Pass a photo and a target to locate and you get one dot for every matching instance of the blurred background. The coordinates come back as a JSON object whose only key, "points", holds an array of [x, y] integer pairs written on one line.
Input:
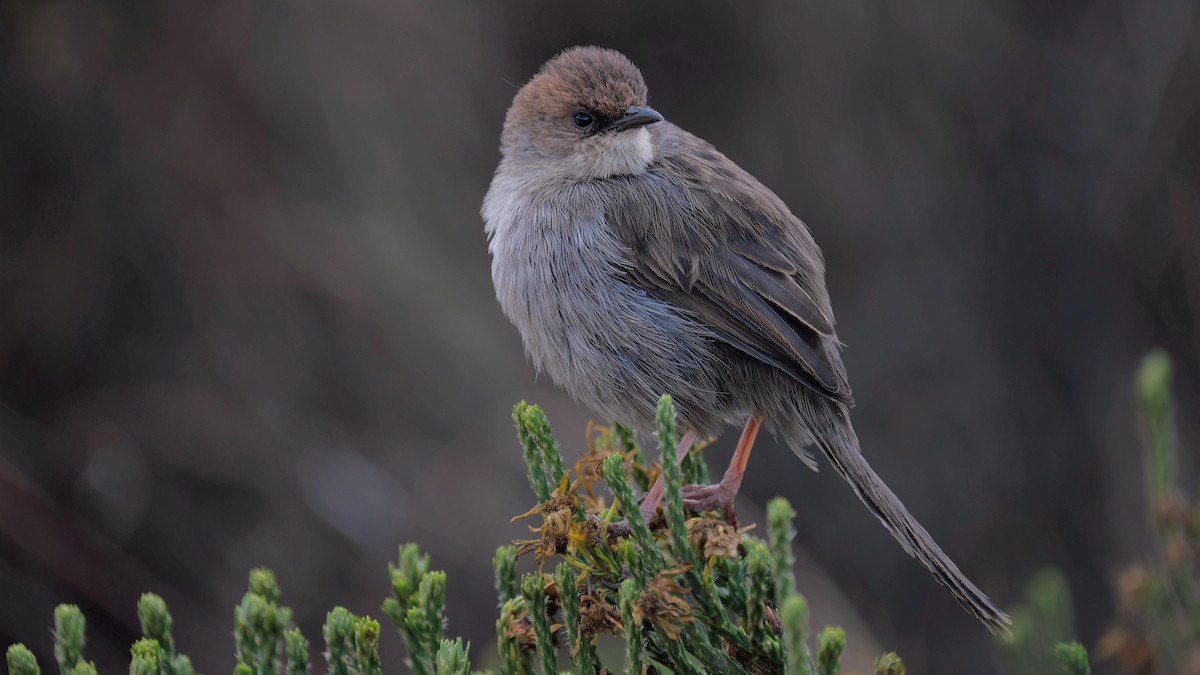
{"points": [[246, 313]]}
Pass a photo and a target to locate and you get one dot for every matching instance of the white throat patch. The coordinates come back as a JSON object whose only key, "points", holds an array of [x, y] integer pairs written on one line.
{"points": [[616, 154]]}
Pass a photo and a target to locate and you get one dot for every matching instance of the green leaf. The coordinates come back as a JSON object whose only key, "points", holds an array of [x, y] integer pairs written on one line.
{"points": [[794, 620], [181, 665], [533, 456], [338, 632], [366, 647], [1159, 436], [69, 639], [452, 658], [617, 481], [156, 621], [505, 566], [82, 668], [627, 440], [634, 633], [146, 657], [537, 430], [889, 664], [296, 648], [1072, 658], [534, 592], [21, 661], [262, 582], [514, 659], [831, 642], [759, 589], [779, 524], [417, 606]]}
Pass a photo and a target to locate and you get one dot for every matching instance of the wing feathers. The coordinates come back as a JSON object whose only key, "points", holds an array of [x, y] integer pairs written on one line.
{"points": [[782, 290], [704, 236]]}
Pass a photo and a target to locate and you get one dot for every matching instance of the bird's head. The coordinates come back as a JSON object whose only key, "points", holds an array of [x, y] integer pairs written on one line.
{"points": [[583, 115]]}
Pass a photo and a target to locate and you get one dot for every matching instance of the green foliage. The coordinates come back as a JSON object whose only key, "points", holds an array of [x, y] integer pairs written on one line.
{"points": [[1157, 410], [692, 593], [417, 606], [156, 620], [155, 652], [625, 442], [541, 449], [514, 638], [451, 658], [1157, 627], [259, 623], [794, 616], [296, 649], [146, 657], [779, 522], [889, 664], [21, 662], [635, 636], [366, 646], [69, 639], [338, 632], [534, 592], [1072, 658], [830, 644], [352, 643], [794, 608], [686, 594], [505, 566], [1043, 619], [579, 646]]}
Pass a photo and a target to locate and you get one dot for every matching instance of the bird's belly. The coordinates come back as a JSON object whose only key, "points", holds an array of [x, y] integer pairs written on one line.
{"points": [[608, 343]]}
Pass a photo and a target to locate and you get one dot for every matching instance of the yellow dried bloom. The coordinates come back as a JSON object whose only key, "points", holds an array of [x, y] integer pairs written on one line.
{"points": [[662, 603]]}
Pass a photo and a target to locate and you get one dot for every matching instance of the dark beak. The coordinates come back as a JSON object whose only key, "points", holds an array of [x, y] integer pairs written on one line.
{"points": [[635, 116]]}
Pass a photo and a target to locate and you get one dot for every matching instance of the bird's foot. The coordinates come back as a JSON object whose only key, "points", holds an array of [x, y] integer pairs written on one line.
{"points": [[709, 497]]}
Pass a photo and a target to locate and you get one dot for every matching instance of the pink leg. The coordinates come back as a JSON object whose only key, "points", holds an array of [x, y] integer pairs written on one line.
{"points": [[654, 496], [705, 497]]}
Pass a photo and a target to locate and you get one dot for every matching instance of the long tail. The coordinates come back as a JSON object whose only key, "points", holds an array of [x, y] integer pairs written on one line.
{"points": [[840, 444]]}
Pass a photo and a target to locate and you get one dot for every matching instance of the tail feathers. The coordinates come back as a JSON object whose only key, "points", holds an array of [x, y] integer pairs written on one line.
{"points": [[841, 447]]}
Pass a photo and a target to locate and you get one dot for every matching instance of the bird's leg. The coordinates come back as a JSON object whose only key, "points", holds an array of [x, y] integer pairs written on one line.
{"points": [[654, 496], [705, 497]]}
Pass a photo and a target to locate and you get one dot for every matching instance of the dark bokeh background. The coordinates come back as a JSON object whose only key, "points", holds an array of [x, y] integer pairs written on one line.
{"points": [[246, 315]]}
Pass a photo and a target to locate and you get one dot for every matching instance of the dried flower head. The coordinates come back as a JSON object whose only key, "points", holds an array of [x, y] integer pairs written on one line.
{"points": [[594, 505], [1132, 585], [590, 466], [587, 533], [713, 537], [521, 630], [597, 615], [1129, 647], [772, 620], [1173, 510], [662, 603], [558, 516], [1177, 551]]}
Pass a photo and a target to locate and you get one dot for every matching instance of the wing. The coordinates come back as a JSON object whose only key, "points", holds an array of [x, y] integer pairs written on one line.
{"points": [[706, 237]]}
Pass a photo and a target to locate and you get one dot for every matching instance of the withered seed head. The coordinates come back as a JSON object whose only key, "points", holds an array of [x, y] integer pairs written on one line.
{"points": [[597, 616], [714, 537], [662, 603], [521, 629], [558, 516], [772, 620]]}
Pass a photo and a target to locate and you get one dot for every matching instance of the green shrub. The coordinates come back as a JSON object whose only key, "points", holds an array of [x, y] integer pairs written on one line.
{"points": [[685, 594]]}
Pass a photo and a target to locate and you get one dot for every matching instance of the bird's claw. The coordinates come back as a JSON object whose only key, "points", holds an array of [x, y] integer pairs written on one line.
{"points": [[709, 497]]}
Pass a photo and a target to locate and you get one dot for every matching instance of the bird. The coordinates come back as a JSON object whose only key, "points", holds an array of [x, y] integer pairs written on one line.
{"points": [[637, 260]]}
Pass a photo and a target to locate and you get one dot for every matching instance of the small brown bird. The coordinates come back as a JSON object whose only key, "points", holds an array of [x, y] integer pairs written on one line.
{"points": [[636, 260]]}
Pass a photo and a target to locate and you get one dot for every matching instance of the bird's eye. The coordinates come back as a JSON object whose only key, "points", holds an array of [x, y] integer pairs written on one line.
{"points": [[583, 120]]}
